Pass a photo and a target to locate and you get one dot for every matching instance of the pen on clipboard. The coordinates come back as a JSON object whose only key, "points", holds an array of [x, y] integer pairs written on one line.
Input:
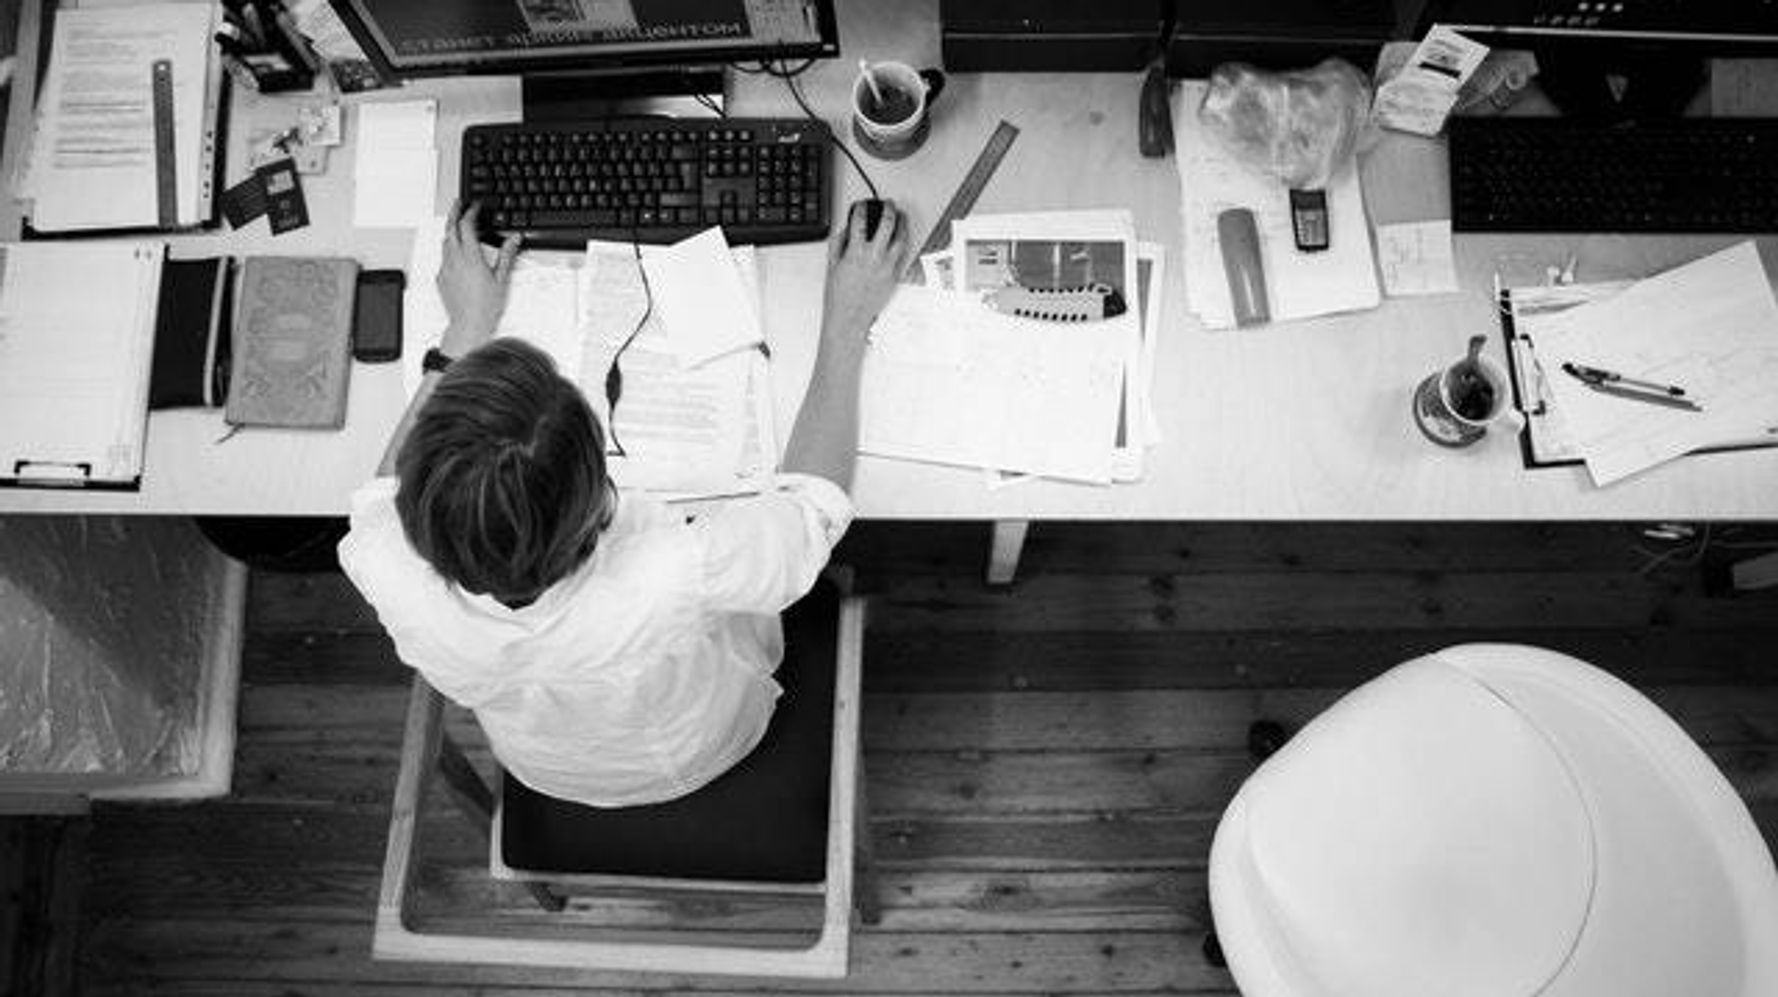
{"points": [[1634, 389]]}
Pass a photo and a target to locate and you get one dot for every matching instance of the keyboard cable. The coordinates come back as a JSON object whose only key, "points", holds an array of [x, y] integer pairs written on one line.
{"points": [[784, 72]]}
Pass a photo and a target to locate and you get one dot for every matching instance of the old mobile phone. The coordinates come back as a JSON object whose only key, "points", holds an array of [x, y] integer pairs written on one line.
{"points": [[376, 316], [1308, 219]]}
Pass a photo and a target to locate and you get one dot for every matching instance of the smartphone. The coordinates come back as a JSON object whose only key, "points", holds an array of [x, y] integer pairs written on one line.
{"points": [[376, 316]]}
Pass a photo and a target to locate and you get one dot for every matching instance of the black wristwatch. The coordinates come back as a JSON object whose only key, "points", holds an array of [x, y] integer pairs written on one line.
{"points": [[435, 360]]}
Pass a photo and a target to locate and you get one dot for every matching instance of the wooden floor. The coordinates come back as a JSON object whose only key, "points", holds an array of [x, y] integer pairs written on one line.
{"points": [[1046, 764]]}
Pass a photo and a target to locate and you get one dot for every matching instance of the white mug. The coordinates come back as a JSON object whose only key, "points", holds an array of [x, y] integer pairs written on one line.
{"points": [[896, 125]]}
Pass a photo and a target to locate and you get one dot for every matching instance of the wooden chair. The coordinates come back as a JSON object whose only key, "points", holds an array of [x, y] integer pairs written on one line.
{"points": [[509, 811]]}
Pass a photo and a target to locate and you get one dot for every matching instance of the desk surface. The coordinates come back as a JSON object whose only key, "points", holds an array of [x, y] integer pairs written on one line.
{"points": [[1303, 420]]}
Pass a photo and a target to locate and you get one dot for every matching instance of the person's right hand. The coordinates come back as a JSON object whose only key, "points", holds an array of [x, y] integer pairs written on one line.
{"points": [[861, 272], [472, 288]]}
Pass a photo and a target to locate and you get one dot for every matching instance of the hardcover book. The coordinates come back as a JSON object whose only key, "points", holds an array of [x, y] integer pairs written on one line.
{"points": [[292, 342]]}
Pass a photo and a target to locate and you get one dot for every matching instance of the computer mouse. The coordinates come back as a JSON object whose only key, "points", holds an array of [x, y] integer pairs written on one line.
{"points": [[873, 214]]}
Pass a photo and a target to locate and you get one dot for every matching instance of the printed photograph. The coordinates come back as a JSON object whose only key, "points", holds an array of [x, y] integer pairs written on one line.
{"points": [[1042, 264]]}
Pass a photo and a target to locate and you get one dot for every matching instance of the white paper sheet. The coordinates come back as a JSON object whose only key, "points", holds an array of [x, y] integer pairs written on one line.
{"points": [[74, 365], [704, 308], [1417, 258], [683, 430], [1710, 326], [1299, 285], [395, 179], [93, 158], [954, 382], [1098, 240]]}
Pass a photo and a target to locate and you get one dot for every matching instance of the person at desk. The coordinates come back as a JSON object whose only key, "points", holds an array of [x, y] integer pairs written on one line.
{"points": [[615, 652]]}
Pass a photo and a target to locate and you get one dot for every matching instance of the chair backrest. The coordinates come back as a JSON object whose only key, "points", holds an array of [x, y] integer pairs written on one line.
{"points": [[1494, 819], [401, 934]]}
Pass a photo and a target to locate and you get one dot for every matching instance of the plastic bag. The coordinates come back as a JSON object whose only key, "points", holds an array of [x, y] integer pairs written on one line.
{"points": [[1298, 127]]}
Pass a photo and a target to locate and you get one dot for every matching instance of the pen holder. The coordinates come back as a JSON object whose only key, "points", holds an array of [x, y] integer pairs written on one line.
{"points": [[263, 49]]}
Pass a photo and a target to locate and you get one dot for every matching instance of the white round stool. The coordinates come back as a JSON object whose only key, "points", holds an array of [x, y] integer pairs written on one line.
{"points": [[1493, 821]]}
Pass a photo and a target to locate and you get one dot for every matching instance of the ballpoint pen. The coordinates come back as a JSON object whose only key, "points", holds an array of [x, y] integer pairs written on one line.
{"points": [[1610, 383], [1599, 375]]}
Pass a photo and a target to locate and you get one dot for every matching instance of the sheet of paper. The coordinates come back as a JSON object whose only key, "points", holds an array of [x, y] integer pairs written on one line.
{"points": [[93, 158], [73, 364], [677, 429], [1417, 258], [953, 382], [1710, 326], [1300, 285], [1064, 249], [395, 178], [703, 305]]}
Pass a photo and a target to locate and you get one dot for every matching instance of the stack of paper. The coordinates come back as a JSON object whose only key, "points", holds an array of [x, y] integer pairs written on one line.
{"points": [[950, 380], [1298, 284], [695, 414], [95, 161], [396, 175], [1709, 328], [73, 364]]}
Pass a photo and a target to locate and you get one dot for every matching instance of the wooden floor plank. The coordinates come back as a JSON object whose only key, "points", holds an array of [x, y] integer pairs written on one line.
{"points": [[884, 962], [978, 661], [1249, 600]]}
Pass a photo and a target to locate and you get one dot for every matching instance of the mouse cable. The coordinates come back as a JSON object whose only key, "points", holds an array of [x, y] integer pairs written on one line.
{"points": [[789, 78], [614, 378]]}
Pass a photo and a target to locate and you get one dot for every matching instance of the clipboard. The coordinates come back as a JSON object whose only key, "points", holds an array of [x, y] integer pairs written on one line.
{"points": [[1541, 442], [74, 367], [178, 191]]}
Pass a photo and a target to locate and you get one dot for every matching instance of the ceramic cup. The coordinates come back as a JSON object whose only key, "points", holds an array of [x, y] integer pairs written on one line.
{"points": [[896, 125], [1454, 406]]}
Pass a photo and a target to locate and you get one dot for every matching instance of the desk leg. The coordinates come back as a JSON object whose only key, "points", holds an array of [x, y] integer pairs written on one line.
{"points": [[1003, 551]]}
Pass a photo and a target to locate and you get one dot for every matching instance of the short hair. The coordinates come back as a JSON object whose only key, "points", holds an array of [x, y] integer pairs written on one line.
{"points": [[502, 477]]}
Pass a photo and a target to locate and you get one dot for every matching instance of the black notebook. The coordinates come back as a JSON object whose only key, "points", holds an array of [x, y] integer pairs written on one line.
{"points": [[191, 335]]}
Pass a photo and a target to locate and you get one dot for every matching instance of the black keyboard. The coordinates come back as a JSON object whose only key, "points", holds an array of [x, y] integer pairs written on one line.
{"points": [[652, 180], [1574, 175]]}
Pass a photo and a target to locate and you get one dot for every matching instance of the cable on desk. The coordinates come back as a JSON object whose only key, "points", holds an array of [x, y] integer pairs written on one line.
{"points": [[614, 378], [710, 105], [788, 75]]}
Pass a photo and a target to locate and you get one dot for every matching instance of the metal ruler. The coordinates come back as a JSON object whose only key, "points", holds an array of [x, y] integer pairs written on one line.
{"points": [[166, 185], [964, 198]]}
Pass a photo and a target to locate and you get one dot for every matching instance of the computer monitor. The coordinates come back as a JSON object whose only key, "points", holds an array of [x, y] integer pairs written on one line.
{"points": [[1622, 58], [598, 49]]}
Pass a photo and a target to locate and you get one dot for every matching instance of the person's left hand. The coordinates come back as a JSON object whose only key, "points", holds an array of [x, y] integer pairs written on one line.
{"points": [[473, 290]]}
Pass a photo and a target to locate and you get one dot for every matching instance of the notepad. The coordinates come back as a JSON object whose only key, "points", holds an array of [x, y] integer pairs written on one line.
{"points": [[74, 364]]}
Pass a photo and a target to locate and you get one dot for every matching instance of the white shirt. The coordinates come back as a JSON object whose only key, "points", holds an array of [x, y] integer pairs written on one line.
{"points": [[639, 678]]}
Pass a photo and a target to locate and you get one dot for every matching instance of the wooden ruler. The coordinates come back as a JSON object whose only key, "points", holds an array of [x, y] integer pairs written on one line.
{"points": [[166, 184], [964, 198]]}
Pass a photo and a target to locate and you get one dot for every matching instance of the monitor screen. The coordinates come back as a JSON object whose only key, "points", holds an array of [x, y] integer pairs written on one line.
{"points": [[431, 37]]}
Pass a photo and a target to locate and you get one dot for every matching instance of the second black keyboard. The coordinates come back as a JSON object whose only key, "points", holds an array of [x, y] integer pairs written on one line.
{"points": [[1575, 175], [651, 180]]}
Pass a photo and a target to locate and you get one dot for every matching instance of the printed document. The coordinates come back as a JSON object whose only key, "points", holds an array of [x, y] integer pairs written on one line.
{"points": [[955, 382], [1709, 327], [93, 159]]}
